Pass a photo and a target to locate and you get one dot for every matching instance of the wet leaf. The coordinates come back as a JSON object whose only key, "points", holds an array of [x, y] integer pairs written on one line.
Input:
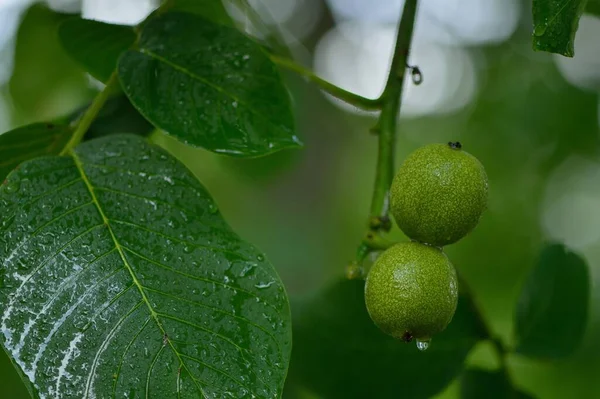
{"points": [[31, 141], [209, 86], [555, 24], [121, 278], [477, 384], [340, 353], [552, 312], [95, 45]]}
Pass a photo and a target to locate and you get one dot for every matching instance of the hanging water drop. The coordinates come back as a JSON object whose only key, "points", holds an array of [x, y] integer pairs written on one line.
{"points": [[423, 344]]}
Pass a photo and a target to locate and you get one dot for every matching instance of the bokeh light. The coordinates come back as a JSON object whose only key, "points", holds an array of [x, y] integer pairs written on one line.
{"points": [[357, 55], [66, 6], [10, 16], [571, 213], [446, 21], [583, 70], [128, 12]]}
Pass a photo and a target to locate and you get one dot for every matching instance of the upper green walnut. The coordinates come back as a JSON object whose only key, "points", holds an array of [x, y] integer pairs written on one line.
{"points": [[412, 291], [439, 194]]}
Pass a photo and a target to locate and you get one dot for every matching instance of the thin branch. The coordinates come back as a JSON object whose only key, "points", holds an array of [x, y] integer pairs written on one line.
{"points": [[338, 92], [84, 123], [387, 125]]}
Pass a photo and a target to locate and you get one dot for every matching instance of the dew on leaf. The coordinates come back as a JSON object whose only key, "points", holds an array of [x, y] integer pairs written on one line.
{"points": [[13, 187], [540, 29]]}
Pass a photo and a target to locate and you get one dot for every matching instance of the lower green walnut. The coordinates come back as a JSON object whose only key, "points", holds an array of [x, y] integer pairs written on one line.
{"points": [[412, 292]]}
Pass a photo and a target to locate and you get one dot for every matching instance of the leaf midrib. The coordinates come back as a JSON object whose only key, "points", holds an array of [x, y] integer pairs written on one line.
{"points": [[79, 165]]}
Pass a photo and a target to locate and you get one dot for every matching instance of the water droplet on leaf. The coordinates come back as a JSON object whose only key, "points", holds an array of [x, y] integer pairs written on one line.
{"points": [[540, 29], [13, 187]]}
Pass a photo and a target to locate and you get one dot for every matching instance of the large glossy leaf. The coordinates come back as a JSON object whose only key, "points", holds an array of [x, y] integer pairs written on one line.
{"points": [[340, 353], [31, 141], [95, 45], [478, 384], [209, 86], [552, 312], [121, 279], [555, 24]]}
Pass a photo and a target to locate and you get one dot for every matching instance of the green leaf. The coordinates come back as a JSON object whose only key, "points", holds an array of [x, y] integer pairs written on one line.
{"points": [[210, 9], [209, 86], [117, 116], [96, 46], [30, 141], [555, 23], [340, 353], [477, 384], [120, 278], [552, 311]]}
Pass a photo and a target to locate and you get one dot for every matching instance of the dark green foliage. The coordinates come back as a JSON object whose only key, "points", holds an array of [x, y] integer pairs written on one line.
{"points": [[340, 353], [553, 308], [479, 384]]}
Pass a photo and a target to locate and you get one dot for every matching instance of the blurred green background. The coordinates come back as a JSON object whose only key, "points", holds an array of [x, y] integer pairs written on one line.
{"points": [[536, 133]]}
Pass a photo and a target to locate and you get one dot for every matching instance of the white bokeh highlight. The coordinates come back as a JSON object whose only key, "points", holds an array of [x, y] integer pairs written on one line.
{"points": [[67, 6], [583, 70], [357, 56], [570, 212], [11, 12], [468, 22], [125, 12]]}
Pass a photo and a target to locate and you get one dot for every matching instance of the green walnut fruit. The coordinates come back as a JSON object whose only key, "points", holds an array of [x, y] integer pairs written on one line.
{"points": [[439, 194], [412, 291]]}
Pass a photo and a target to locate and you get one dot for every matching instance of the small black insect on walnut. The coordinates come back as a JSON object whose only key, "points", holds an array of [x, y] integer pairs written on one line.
{"points": [[455, 145], [407, 337]]}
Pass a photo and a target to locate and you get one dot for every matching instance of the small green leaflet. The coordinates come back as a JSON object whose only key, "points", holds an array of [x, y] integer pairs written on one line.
{"points": [[31, 141], [120, 278]]}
